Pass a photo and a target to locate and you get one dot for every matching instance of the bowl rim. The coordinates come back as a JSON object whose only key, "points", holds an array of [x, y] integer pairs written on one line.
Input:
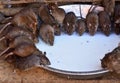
{"points": [[76, 74]]}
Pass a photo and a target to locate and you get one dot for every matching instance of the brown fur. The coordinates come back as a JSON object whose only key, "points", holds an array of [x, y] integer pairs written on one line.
{"points": [[111, 60], [22, 46], [2, 17], [105, 23], [80, 26], [69, 23], [92, 22], [117, 19], [36, 59], [11, 32], [26, 18], [57, 29], [109, 6], [46, 32], [45, 15], [57, 13]]}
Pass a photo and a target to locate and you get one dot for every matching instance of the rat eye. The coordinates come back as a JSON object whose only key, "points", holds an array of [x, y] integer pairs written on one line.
{"points": [[68, 24], [90, 24], [51, 12], [35, 24]]}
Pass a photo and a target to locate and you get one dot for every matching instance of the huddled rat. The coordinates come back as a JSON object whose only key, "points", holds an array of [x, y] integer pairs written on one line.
{"points": [[69, 23]]}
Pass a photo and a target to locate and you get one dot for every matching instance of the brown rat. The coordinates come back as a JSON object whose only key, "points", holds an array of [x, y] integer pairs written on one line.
{"points": [[57, 13], [45, 15], [69, 23], [12, 32], [111, 60], [20, 46], [105, 23], [46, 32], [109, 6], [92, 21], [47, 18], [80, 24], [34, 60], [117, 19], [25, 18]]}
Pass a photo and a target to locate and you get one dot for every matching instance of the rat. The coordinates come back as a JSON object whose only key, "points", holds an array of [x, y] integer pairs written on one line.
{"points": [[21, 46], [59, 15], [109, 6], [111, 60], [56, 12], [25, 18], [92, 21], [47, 18], [34, 60], [46, 33], [105, 22], [69, 23], [80, 24], [45, 15], [12, 32], [117, 19]]}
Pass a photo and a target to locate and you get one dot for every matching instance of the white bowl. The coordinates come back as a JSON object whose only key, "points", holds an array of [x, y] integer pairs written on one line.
{"points": [[79, 56]]}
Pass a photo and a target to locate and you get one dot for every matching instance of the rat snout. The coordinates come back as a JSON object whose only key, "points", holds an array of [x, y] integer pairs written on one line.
{"points": [[71, 29], [105, 60], [44, 60], [106, 30], [51, 39], [92, 30], [70, 32], [57, 30], [51, 42]]}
